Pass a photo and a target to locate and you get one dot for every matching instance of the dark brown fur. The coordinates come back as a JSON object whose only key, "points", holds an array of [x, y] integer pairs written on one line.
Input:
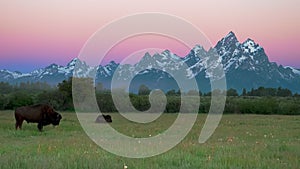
{"points": [[42, 114], [103, 118]]}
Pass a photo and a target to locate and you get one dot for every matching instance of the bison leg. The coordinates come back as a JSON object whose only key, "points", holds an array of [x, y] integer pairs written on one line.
{"points": [[40, 126], [19, 125], [19, 122]]}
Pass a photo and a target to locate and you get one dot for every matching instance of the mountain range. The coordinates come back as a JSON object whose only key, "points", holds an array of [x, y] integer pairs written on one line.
{"points": [[245, 64]]}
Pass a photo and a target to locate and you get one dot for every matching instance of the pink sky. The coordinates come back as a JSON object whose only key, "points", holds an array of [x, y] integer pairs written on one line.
{"points": [[34, 34]]}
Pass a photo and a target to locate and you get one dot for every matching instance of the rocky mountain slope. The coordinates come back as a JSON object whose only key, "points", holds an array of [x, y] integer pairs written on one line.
{"points": [[245, 64]]}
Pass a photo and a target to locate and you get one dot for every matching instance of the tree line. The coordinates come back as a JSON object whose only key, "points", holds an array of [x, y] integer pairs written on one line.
{"points": [[255, 101]]}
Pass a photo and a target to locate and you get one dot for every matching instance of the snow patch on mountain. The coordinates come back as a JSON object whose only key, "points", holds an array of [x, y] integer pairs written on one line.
{"points": [[245, 64], [171, 55], [14, 74], [249, 46], [296, 71]]}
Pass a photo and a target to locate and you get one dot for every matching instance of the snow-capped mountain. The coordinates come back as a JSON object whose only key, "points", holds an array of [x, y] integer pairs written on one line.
{"points": [[245, 64], [51, 74]]}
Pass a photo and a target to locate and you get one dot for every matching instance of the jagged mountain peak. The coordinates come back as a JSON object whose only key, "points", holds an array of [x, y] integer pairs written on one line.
{"points": [[73, 62], [147, 54], [167, 53], [52, 66], [112, 63], [249, 40], [146, 57], [76, 61], [229, 39], [230, 35], [246, 56], [164, 56], [110, 67], [227, 46], [12, 74], [194, 55], [249, 46], [245, 64], [197, 48]]}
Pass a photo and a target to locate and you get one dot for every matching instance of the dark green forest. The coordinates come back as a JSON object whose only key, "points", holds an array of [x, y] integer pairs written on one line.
{"points": [[256, 101]]}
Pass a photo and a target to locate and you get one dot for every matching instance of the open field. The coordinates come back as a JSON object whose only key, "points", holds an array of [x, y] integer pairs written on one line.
{"points": [[240, 141]]}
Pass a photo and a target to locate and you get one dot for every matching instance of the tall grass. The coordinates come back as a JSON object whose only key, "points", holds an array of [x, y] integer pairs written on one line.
{"points": [[240, 141]]}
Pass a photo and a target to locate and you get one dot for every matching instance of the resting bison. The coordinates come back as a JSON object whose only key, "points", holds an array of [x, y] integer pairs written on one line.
{"points": [[103, 118], [41, 114]]}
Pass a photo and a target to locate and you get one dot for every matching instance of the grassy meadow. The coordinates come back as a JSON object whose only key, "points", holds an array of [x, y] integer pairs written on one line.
{"points": [[240, 141]]}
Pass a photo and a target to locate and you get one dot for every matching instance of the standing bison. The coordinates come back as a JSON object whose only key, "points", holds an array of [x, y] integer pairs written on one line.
{"points": [[42, 114]]}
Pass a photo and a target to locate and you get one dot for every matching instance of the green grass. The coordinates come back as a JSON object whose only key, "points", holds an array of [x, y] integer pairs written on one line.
{"points": [[240, 141]]}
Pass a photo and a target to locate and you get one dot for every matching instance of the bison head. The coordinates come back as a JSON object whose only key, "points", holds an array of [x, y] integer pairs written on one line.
{"points": [[107, 118], [51, 116], [103, 118], [55, 119]]}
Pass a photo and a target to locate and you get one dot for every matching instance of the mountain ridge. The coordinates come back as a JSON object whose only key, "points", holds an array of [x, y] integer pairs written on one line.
{"points": [[245, 64]]}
